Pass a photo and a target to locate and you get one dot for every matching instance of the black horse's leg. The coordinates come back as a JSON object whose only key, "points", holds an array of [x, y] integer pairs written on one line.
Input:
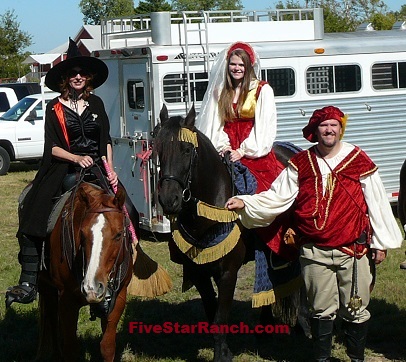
{"points": [[226, 282], [202, 281], [226, 287]]}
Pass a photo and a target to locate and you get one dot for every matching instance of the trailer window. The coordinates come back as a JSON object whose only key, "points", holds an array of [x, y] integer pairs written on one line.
{"points": [[333, 79], [282, 81], [389, 75], [136, 95], [175, 87]]}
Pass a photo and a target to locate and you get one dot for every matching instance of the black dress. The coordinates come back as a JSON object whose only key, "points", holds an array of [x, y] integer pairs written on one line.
{"points": [[88, 134]]}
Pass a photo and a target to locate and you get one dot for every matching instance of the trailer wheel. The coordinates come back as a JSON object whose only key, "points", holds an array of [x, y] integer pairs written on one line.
{"points": [[4, 161]]}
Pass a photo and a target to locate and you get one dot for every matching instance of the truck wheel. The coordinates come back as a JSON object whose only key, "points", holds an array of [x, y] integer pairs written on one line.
{"points": [[4, 161]]}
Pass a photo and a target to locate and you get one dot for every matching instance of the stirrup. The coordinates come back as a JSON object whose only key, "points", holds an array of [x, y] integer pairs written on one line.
{"points": [[23, 293]]}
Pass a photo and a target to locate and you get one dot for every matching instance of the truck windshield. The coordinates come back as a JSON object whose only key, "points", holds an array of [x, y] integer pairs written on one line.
{"points": [[15, 112]]}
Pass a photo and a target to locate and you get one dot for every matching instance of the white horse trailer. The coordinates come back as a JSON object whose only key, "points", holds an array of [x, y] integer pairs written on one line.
{"points": [[165, 58]]}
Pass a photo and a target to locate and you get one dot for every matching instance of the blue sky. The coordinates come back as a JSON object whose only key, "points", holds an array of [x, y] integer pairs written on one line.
{"points": [[52, 22]]}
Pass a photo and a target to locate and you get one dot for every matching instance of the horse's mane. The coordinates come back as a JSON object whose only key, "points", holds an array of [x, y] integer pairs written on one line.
{"points": [[169, 131]]}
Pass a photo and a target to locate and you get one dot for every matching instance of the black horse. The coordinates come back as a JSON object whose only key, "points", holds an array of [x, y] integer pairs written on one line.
{"points": [[193, 189]]}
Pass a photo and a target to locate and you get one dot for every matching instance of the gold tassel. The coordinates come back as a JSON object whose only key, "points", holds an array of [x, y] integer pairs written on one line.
{"points": [[282, 291], [186, 135], [215, 213], [149, 278], [210, 254], [263, 298]]}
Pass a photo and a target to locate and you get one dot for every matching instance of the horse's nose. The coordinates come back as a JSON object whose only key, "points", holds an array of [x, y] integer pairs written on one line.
{"points": [[171, 203], [93, 293]]}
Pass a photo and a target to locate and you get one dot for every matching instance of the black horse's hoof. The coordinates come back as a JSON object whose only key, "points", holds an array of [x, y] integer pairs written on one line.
{"points": [[23, 293]]}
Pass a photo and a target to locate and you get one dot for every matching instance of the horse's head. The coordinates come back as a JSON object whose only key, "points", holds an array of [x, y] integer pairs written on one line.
{"points": [[102, 238], [175, 146]]}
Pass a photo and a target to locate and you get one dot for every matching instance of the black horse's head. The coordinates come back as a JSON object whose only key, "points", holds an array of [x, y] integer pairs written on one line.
{"points": [[175, 146]]}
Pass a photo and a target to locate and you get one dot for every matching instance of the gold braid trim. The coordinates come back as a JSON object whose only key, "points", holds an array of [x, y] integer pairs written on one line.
{"points": [[215, 213], [331, 184], [213, 253], [186, 135], [282, 291]]}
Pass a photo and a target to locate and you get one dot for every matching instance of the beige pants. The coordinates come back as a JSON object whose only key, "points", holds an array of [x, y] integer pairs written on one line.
{"points": [[328, 275]]}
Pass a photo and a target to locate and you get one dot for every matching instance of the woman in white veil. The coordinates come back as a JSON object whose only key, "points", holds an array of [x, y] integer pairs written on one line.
{"points": [[238, 112]]}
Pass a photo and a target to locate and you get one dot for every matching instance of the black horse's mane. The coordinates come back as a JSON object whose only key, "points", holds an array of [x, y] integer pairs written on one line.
{"points": [[169, 131]]}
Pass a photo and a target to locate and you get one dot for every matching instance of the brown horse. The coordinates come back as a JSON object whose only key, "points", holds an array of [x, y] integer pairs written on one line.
{"points": [[90, 262]]}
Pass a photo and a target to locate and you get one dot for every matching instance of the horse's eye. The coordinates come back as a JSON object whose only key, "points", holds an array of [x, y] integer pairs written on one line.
{"points": [[118, 236]]}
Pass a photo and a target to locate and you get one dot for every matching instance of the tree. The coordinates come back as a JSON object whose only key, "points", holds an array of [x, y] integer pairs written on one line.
{"points": [[347, 15], [12, 43], [196, 5], [96, 10], [146, 7]]}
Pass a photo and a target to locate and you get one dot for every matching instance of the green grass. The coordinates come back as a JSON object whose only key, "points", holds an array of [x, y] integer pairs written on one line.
{"points": [[19, 328]]}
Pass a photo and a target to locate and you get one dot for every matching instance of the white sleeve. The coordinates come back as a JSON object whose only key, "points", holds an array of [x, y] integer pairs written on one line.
{"points": [[386, 231], [262, 136], [262, 209], [208, 122]]}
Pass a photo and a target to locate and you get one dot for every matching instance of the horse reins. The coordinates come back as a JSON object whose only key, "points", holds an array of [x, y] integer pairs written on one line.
{"points": [[185, 184]]}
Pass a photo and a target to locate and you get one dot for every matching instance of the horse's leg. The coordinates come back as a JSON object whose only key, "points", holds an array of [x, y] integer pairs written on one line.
{"points": [[202, 281], [48, 346], [226, 283], [109, 327], [68, 313]]}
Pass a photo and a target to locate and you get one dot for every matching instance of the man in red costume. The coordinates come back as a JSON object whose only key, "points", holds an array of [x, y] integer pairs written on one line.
{"points": [[344, 222]]}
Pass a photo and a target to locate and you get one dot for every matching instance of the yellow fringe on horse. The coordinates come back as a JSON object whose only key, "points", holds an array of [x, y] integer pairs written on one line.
{"points": [[215, 213], [212, 253], [186, 135], [149, 278], [271, 296]]}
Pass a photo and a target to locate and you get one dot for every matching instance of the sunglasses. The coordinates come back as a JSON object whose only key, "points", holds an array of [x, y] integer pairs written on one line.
{"points": [[75, 71]]}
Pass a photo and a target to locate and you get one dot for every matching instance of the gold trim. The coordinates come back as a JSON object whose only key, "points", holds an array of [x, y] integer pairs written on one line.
{"points": [[210, 254], [186, 135], [282, 291], [215, 213]]}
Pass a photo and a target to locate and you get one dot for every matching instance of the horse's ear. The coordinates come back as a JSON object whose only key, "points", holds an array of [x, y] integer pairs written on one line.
{"points": [[119, 199], [189, 121], [163, 115]]}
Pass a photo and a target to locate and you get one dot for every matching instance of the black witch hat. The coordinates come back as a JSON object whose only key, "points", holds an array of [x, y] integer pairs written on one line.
{"points": [[74, 59]]}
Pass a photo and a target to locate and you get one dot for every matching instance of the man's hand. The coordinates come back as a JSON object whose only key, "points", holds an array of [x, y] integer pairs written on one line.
{"points": [[234, 204], [378, 255]]}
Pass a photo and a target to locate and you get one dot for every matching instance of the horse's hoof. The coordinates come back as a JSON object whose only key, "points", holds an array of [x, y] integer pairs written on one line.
{"points": [[23, 293]]}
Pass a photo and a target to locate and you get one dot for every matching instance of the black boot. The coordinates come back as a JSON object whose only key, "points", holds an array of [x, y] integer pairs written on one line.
{"points": [[26, 290], [322, 335], [355, 338]]}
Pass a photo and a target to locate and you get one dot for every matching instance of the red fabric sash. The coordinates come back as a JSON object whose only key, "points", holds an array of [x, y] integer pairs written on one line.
{"points": [[61, 118]]}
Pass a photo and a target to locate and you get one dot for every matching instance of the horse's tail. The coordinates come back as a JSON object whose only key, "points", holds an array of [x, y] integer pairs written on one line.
{"points": [[48, 321], [149, 278]]}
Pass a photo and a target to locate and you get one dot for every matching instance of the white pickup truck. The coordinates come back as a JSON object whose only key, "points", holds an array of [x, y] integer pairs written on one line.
{"points": [[11, 93], [22, 130]]}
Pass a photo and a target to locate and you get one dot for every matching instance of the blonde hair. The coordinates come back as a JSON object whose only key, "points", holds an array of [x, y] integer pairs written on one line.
{"points": [[225, 103]]}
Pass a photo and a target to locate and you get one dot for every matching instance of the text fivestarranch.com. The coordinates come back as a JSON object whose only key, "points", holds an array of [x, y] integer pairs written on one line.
{"points": [[205, 328]]}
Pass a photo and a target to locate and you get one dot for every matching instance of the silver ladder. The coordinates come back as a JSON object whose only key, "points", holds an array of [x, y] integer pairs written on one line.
{"points": [[204, 42]]}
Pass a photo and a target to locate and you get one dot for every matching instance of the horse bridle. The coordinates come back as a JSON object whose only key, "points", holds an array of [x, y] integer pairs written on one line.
{"points": [[185, 184]]}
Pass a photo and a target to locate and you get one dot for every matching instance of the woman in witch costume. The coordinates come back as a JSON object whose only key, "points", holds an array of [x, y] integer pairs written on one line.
{"points": [[76, 137]]}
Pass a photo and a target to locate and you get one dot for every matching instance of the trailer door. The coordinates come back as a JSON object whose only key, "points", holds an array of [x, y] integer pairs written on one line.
{"points": [[132, 149]]}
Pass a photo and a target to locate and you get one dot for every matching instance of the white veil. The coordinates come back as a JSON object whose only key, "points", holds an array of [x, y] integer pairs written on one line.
{"points": [[207, 120]]}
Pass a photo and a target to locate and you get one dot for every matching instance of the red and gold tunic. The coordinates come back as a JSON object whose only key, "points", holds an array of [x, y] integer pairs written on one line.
{"points": [[265, 169], [337, 216]]}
